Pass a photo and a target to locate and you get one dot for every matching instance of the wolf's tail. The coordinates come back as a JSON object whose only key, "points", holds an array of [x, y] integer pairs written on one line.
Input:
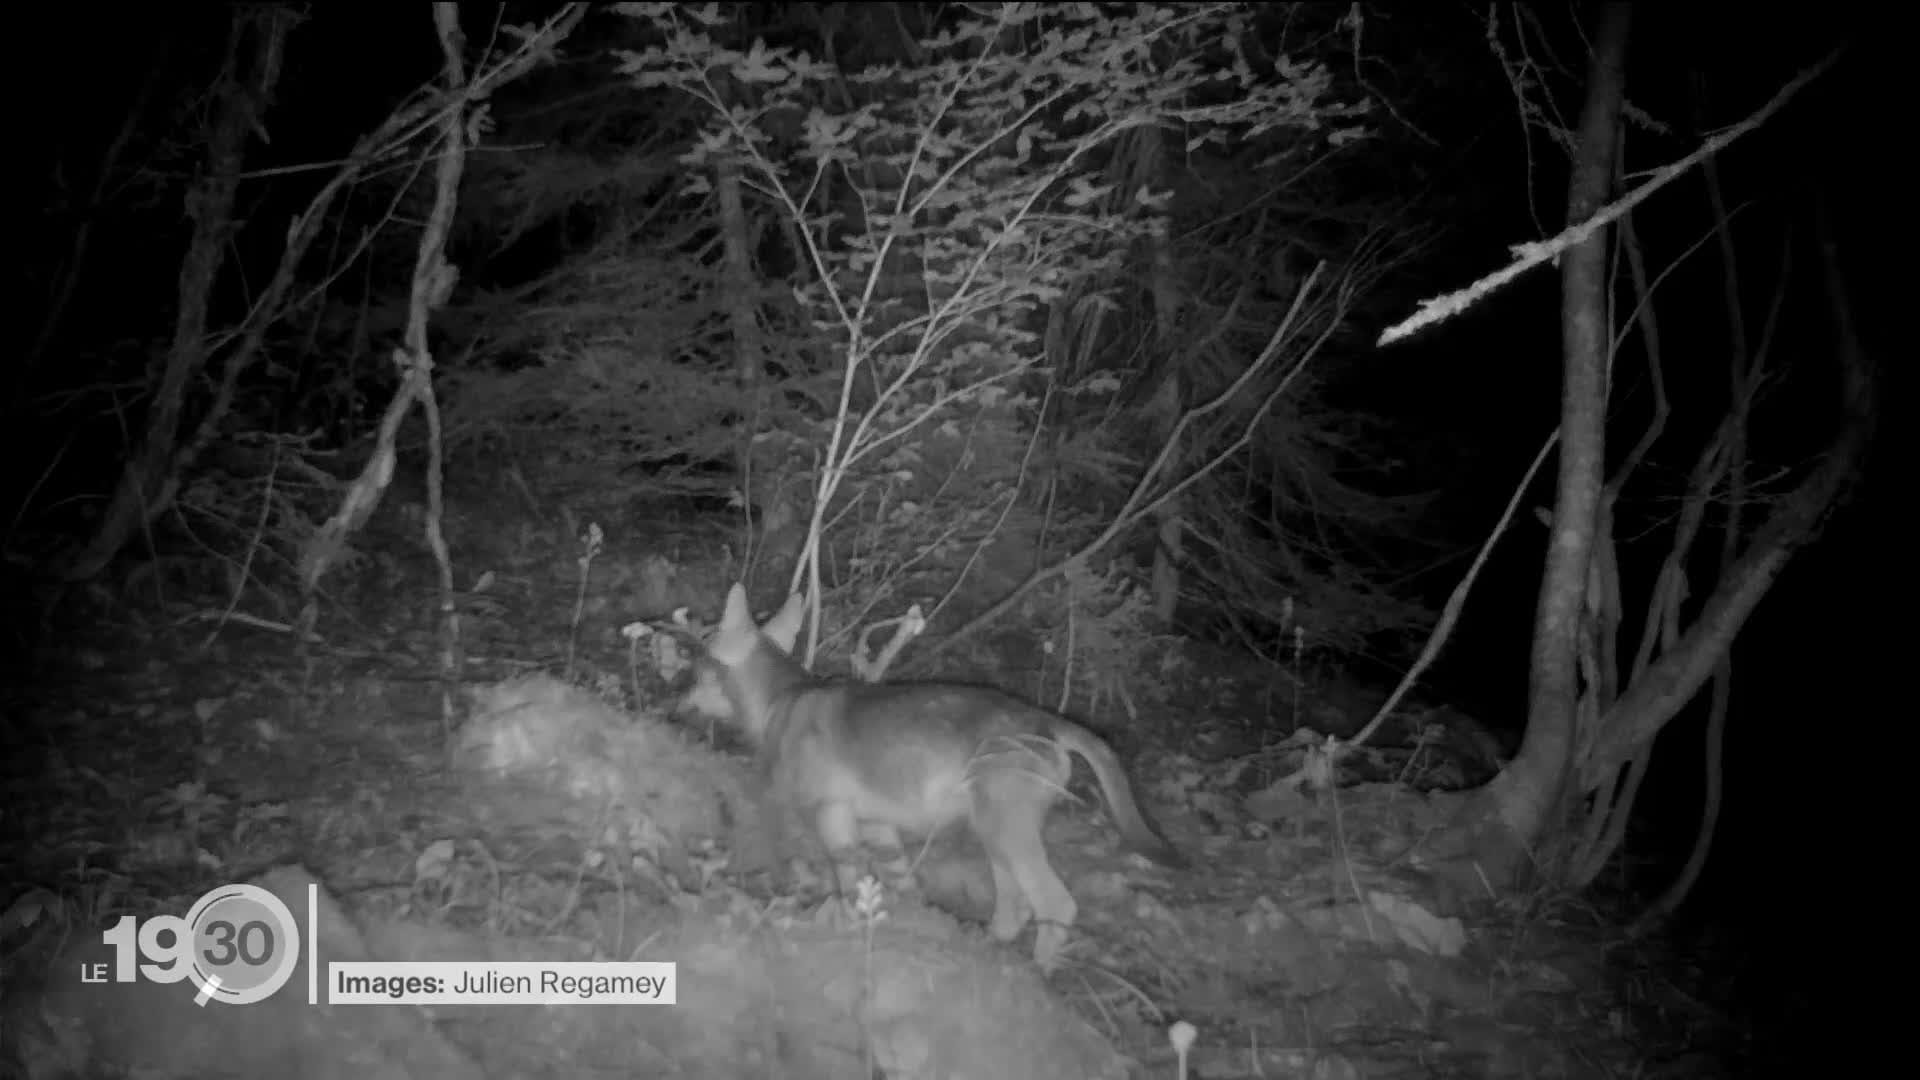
{"points": [[1134, 827]]}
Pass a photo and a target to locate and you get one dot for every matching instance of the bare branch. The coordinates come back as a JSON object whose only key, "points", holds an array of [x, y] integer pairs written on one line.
{"points": [[1529, 255]]}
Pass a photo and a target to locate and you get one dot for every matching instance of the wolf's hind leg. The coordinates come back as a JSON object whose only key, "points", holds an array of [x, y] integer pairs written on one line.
{"points": [[1009, 808]]}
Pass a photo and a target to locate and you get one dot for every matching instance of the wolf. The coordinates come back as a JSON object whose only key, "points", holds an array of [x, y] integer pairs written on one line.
{"points": [[869, 761]]}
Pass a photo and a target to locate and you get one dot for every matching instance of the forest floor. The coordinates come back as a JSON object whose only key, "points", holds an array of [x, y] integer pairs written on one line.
{"points": [[158, 748]]}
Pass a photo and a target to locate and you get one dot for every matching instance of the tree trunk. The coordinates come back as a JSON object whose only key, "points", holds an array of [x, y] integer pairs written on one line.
{"points": [[151, 478], [1520, 803], [1168, 402], [1577, 743], [760, 489], [71, 271]]}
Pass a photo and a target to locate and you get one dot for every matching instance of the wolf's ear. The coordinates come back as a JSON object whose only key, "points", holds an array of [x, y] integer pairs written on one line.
{"points": [[784, 628], [737, 618]]}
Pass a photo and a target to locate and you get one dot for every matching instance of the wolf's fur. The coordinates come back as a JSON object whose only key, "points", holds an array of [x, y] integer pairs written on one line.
{"points": [[870, 760]]}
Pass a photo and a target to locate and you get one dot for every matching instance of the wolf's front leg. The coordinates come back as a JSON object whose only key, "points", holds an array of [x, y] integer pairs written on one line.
{"points": [[840, 835], [890, 856]]}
